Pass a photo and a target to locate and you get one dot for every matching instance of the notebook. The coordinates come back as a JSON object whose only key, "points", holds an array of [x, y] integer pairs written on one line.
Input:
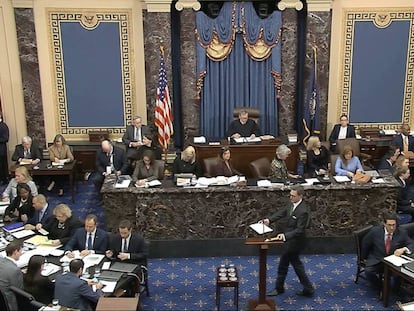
{"points": [[13, 227], [111, 275], [123, 267]]}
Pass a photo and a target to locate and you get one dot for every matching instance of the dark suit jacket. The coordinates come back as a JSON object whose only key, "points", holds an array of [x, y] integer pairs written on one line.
{"points": [[47, 216], [78, 241], [34, 152], [129, 133], [42, 289], [156, 171], [398, 141], [245, 130], [4, 138], [119, 160], [223, 170], [294, 225], [350, 133], [26, 208], [75, 293], [10, 275], [136, 247], [63, 234], [373, 244], [385, 165], [403, 199]]}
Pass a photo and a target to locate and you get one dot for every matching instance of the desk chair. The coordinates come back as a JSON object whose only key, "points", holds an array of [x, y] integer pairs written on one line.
{"points": [[4, 305], [25, 300], [144, 270], [358, 236], [161, 165], [409, 227], [354, 143], [210, 166], [254, 113], [260, 168]]}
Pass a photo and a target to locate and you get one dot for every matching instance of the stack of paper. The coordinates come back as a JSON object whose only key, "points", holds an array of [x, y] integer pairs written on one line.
{"points": [[39, 240], [261, 228], [341, 178]]}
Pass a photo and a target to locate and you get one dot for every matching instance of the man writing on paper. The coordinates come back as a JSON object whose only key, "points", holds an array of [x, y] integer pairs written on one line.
{"points": [[296, 216], [382, 241], [243, 127]]}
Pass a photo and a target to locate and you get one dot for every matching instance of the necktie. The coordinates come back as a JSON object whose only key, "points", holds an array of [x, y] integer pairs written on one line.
{"points": [[40, 215], [89, 246], [135, 134], [405, 143], [125, 247], [291, 210], [388, 244]]}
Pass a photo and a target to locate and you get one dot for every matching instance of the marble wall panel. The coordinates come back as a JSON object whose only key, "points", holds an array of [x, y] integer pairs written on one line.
{"points": [[26, 40]]}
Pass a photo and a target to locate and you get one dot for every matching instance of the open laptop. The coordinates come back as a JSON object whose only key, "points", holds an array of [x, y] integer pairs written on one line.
{"points": [[123, 267], [110, 275]]}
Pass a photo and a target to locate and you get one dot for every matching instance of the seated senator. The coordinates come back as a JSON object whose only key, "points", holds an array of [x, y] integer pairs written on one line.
{"points": [[149, 144], [243, 127], [59, 152], [111, 157], [88, 240], [63, 226], [224, 166], [278, 167], [21, 176], [388, 160], [133, 137], [381, 241], [404, 140], [21, 205], [147, 169], [27, 150], [41, 287], [405, 196], [318, 159], [187, 163], [341, 131], [347, 164]]}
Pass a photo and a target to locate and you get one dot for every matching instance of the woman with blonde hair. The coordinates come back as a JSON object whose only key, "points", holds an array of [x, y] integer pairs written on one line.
{"points": [[278, 168], [347, 164], [318, 162], [21, 176], [187, 163]]}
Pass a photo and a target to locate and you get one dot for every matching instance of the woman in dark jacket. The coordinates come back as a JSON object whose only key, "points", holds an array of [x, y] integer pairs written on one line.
{"points": [[21, 208], [224, 165], [41, 287]]}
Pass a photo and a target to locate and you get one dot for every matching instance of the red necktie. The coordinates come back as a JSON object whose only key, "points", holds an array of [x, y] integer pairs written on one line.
{"points": [[388, 244]]}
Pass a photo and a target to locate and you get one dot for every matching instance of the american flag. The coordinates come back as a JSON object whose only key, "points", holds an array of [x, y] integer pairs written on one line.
{"points": [[163, 113]]}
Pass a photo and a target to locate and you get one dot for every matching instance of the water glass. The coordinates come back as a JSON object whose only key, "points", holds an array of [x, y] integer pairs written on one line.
{"points": [[55, 302]]}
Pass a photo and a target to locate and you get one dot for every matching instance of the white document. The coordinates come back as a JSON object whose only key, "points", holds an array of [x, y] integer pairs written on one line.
{"points": [[109, 286], [50, 268], [122, 184], [397, 260], [260, 228], [232, 179], [389, 132], [341, 178], [204, 181], [372, 173], [311, 181], [22, 233], [153, 183], [264, 183], [106, 265], [247, 140], [200, 140], [378, 180]]}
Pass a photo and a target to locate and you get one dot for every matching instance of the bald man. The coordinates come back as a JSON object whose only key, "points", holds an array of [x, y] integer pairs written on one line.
{"points": [[109, 160]]}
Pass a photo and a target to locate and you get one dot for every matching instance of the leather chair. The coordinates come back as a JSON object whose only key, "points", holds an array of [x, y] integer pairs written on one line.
{"points": [[144, 270], [254, 113], [161, 165], [358, 236], [260, 168], [25, 300], [4, 305], [354, 143], [210, 166], [409, 227]]}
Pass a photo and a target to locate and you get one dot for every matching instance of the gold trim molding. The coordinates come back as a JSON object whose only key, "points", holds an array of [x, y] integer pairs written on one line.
{"points": [[157, 5], [382, 19], [319, 5]]}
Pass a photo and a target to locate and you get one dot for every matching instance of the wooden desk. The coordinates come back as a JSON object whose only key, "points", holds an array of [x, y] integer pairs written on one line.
{"points": [[389, 269], [46, 169], [376, 148], [243, 154], [112, 303]]}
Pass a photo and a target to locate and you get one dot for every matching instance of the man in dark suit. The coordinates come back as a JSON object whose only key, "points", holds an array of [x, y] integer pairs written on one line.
{"points": [[4, 138], [127, 246], [10, 274], [109, 160], [341, 131], [89, 239], [243, 127], [404, 140], [74, 292], [134, 136], [27, 150], [380, 242], [42, 215], [296, 216]]}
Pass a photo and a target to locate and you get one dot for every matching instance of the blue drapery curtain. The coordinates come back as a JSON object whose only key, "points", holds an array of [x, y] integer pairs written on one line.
{"points": [[240, 76]]}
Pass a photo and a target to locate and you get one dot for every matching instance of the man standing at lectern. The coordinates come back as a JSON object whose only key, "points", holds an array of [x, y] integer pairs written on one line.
{"points": [[243, 127], [296, 216]]}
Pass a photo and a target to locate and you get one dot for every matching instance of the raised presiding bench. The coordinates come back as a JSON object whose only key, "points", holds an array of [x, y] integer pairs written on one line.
{"points": [[173, 213]]}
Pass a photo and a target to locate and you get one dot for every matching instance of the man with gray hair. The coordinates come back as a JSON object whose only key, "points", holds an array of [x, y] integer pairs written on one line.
{"points": [[134, 137], [27, 150]]}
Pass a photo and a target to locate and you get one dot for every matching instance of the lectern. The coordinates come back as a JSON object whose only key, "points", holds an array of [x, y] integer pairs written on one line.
{"points": [[262, 303]]}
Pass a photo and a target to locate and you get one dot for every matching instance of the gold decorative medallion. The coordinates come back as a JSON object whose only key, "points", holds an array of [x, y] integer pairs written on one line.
{"points": [[89, 21], [382, 20]]}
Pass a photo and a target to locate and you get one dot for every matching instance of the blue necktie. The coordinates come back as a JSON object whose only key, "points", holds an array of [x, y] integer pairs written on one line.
{"points": [[89, 246], [40, 215]]}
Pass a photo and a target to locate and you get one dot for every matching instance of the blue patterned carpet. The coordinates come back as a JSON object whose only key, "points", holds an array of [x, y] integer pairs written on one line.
{"points": [[189, 284]]}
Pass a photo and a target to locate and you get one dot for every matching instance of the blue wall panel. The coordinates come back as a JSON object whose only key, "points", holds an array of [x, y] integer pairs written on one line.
{"points": [[378, 72], [93, 75]]}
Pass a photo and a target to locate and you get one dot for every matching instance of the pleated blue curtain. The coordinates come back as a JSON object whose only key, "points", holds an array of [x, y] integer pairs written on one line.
{"points": [[242, 77]]}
